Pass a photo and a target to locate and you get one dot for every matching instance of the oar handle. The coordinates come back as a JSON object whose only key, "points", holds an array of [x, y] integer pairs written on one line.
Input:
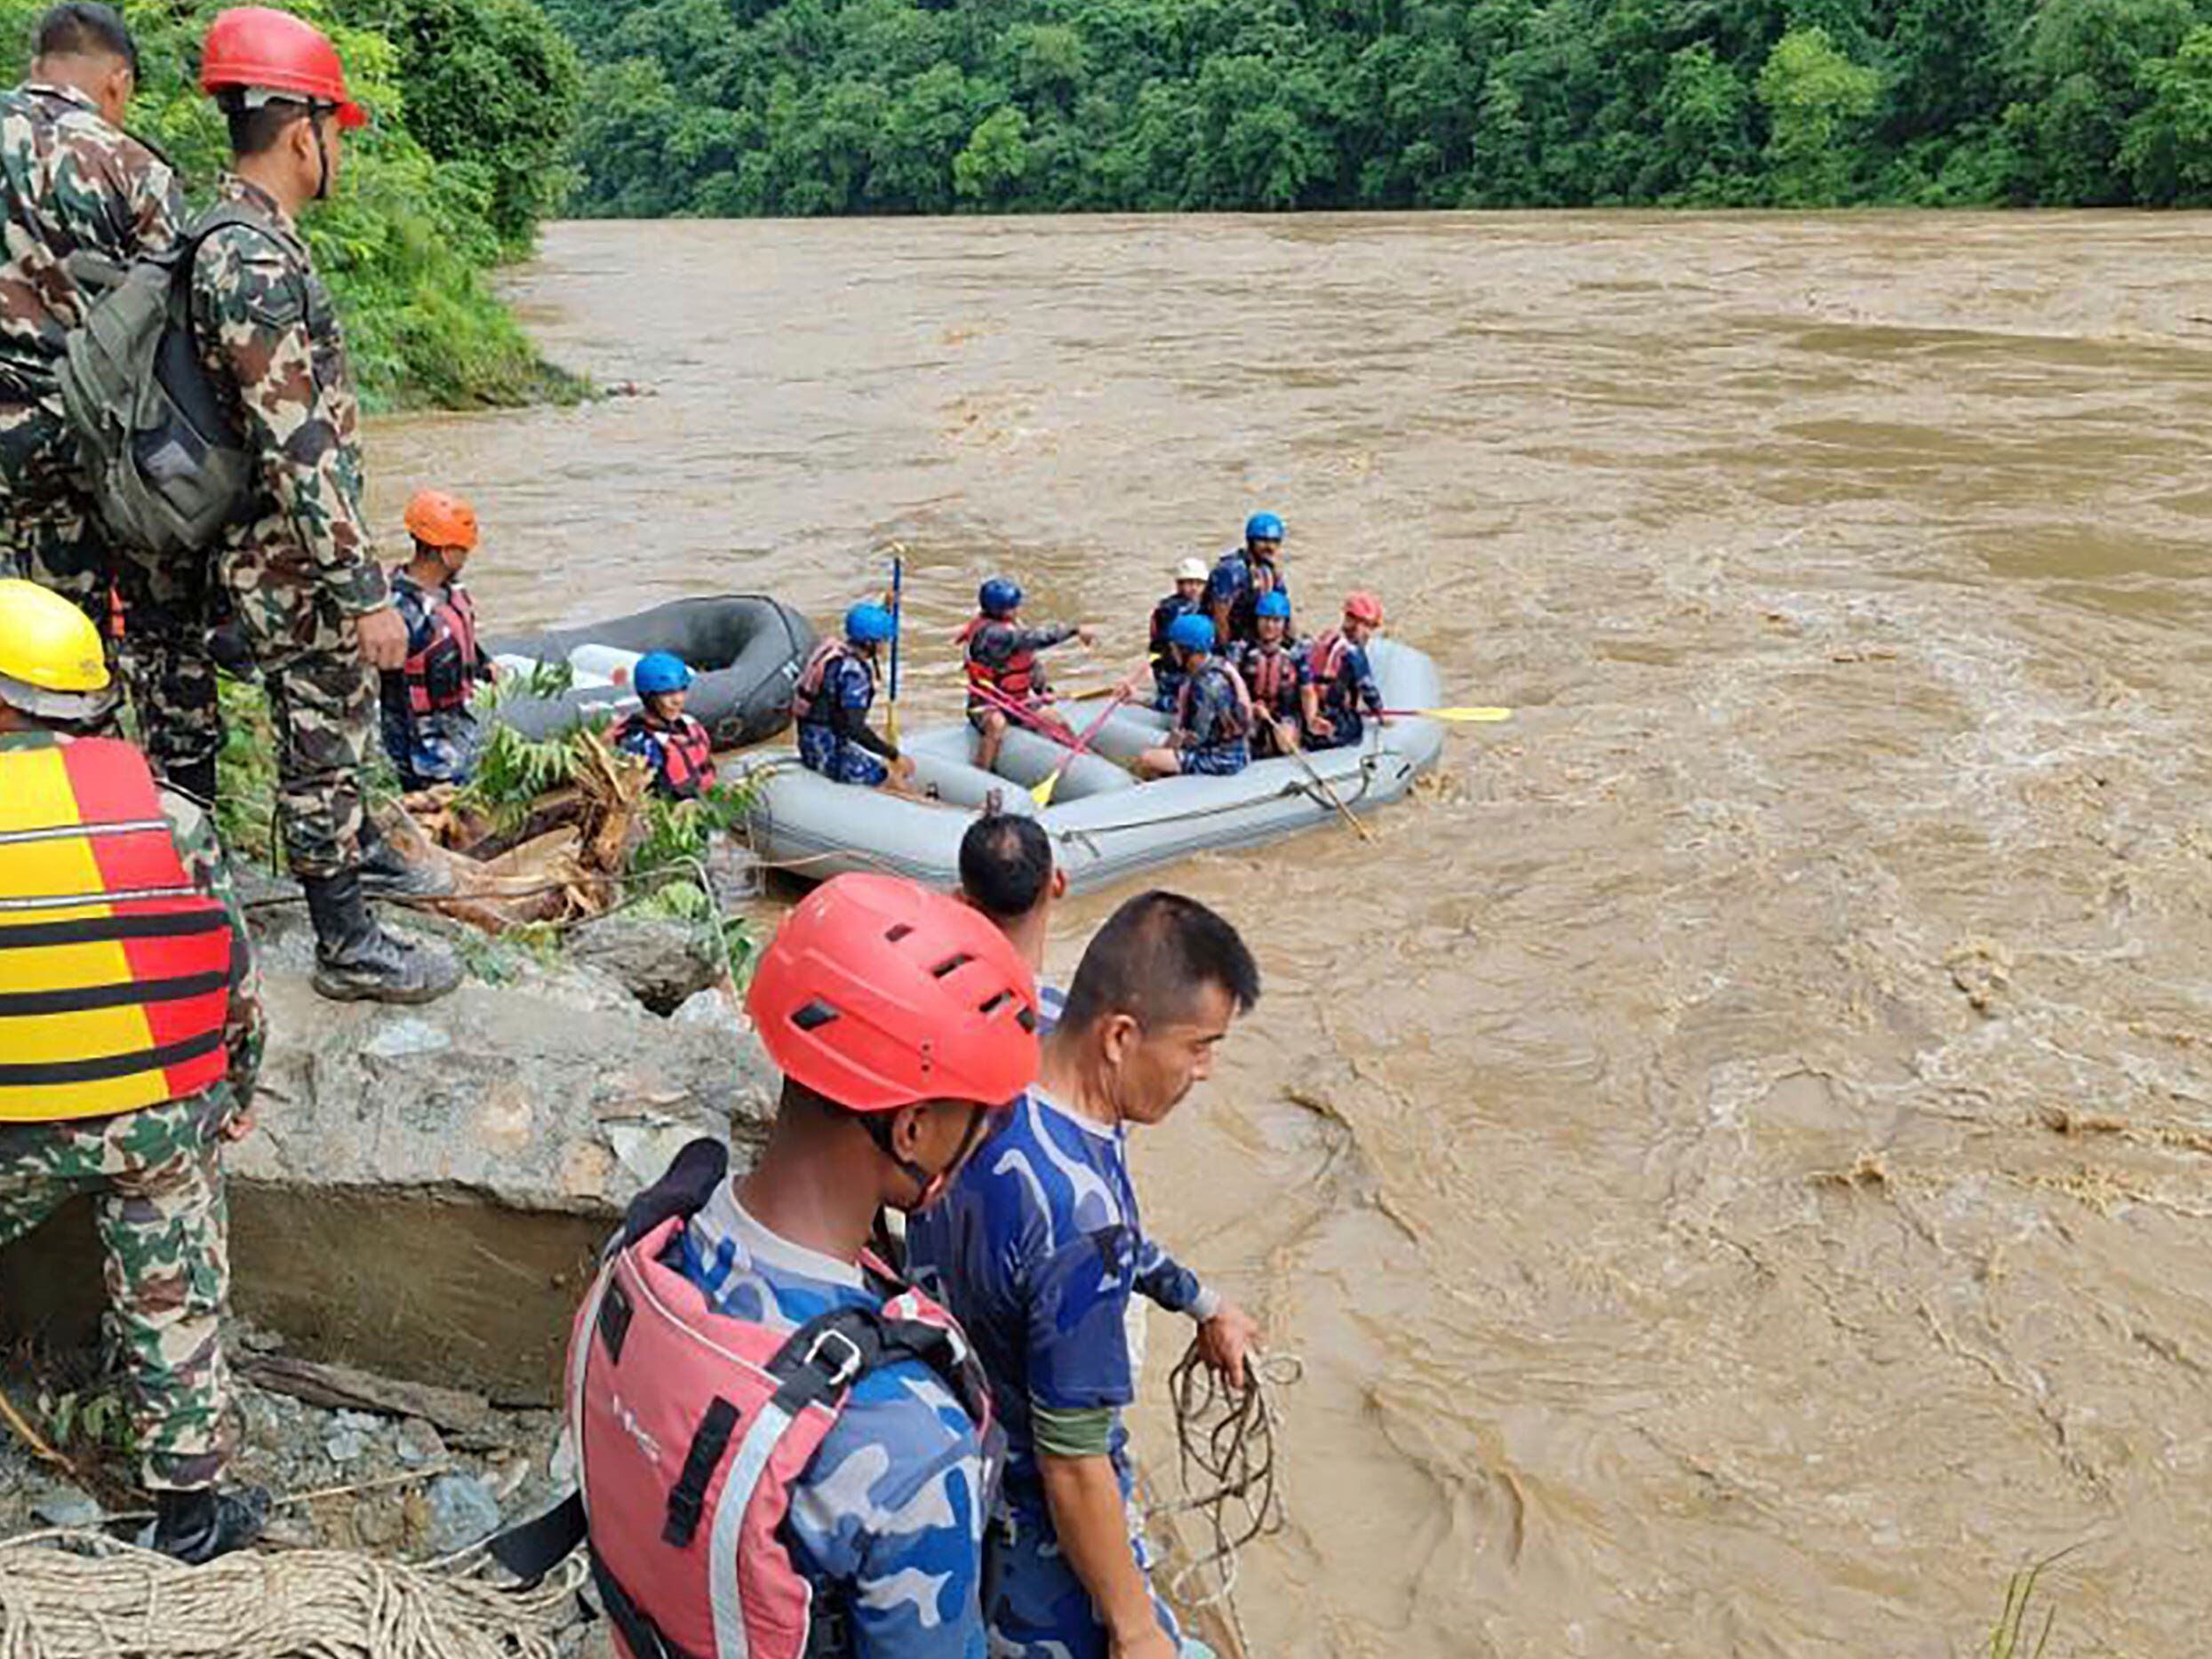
{"points": [[1023, 712]]}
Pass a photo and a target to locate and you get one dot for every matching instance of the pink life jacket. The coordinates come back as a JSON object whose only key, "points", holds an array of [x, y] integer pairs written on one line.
{"points": [[440, 675], [810, 677], [691, 1429]]}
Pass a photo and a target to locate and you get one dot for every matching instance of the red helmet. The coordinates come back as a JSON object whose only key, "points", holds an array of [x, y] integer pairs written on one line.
{"points": [[876, 993], [1363, 607], [253, 48]]}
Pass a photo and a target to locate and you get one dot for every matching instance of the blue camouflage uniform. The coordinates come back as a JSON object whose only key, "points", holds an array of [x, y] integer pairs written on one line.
{"points": [[886, 1520], [1241, 580], [1167, 674], [1038, 1249], [1343, 697], [439, 747], [826, 745], [1216, 742]]}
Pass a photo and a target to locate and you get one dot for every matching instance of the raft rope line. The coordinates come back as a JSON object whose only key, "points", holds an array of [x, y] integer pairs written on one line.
{"points": [[80, 1595], [1226, 1466]]}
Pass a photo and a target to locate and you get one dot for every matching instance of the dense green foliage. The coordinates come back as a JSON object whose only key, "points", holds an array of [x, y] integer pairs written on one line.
{"points": [[471, 101], [746, 106]]}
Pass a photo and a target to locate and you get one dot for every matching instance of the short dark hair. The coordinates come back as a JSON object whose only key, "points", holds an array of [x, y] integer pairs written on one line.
{"points": [[255, 129], [83, 28], [1152, 958], [1005, 865]]}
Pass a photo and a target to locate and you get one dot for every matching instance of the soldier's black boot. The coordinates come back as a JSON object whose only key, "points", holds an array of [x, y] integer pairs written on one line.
{"points": [[355, 960], [385, 875], [196, 1526]]}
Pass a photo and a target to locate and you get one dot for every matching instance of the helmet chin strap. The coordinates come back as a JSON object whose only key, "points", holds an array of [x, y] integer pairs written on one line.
{"points": [[931, 1185]]}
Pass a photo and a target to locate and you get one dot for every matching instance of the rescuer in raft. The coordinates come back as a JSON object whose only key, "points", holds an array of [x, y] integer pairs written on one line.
{"points": [[1343, 690], [1040, 1250], [743, 1326], [1213, 715], [130, 1035], [659, 733], [1005, 677], [830, 705], [1275, 670], [1244, 574], [1188, 599], [428, 730]]}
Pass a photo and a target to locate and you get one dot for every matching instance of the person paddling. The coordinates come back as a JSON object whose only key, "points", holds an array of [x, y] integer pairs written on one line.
{"points": [[1344, 693], [659, 733], [1213, 720], [1001, 657], [428, 730], [1275, 672], [1188, 599], [830, 705]]}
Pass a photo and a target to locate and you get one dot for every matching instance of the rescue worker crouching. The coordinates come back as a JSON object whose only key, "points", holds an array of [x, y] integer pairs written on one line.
{"points": [[1213, 719], [1275, 670], [429, 731], [659, 733], [1242, 576], [1188, 599], [1343, 691], [1004, 678], [830, 705], [131, 1037], [782, 1447]]}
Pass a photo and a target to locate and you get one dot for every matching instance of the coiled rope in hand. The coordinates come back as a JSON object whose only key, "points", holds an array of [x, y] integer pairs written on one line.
{"points": [[1225, 1467], [80, 1595]]}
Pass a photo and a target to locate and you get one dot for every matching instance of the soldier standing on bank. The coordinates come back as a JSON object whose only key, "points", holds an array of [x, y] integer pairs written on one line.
{"points": [[298, 567], [130, 1041], [74, 188]]}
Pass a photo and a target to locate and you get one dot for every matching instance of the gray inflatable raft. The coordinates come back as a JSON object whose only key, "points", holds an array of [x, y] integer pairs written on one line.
{"points": [[1105, 826]]}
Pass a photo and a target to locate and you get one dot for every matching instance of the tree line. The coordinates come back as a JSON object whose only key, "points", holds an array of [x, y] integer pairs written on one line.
{"points": [[471, 104], [735, 108]]}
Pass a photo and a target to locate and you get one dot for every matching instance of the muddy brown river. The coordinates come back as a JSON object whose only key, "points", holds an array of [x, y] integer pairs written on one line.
{"points": [[1736, 1153]]}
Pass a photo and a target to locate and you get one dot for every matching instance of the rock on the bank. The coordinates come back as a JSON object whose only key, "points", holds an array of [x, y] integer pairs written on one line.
{"points": [[661, 963]]}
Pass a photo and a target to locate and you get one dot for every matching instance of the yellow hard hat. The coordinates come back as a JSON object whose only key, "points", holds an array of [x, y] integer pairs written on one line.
{"points": [[52, 664]]}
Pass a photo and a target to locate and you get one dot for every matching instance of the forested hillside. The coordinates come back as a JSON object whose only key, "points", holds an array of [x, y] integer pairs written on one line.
{"points": [[751, 106], [471, 101]]}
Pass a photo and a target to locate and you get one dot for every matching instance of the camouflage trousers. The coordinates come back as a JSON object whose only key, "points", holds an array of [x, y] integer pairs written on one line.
{"points": [[157, 1182]]}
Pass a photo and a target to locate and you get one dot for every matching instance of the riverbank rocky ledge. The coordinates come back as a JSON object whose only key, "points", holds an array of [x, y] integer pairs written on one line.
{"points": [[413, 1218]]}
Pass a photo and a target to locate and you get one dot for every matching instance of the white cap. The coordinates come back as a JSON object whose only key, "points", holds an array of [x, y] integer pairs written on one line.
{"points": [[1191, 570]]}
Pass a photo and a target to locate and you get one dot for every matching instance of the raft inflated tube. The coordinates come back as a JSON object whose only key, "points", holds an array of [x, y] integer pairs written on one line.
{"points": [[1105, 826]]}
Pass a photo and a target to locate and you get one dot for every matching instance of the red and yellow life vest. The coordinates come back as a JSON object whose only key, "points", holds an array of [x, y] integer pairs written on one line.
{"points": [[114, 970]]}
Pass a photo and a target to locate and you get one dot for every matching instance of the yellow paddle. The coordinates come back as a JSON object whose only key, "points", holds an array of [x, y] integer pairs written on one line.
{"points": [[1042, 793], [1448, 714]]}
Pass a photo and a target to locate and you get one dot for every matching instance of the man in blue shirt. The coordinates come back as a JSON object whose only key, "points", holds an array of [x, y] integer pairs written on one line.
{"points": [[1243, 575], [1039, 1248]]}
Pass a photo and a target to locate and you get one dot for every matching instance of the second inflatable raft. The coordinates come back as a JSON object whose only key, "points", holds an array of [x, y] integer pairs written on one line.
{"points": [[1105, 826]]}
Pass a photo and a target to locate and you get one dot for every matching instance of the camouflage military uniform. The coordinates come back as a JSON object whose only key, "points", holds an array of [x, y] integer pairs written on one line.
{"points": [[300, 568], [69, 183], [156, 1177]]}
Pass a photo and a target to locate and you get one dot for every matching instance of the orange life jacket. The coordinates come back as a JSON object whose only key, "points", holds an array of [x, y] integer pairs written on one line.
{"points": [[1016, 678], [114, 970], [440, 675], [687, 764], [1272, 677]]}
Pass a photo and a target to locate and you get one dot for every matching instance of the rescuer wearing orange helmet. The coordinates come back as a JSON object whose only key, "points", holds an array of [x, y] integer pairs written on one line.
{"points": [[299, 564], [429, 731], [130, 1042]]}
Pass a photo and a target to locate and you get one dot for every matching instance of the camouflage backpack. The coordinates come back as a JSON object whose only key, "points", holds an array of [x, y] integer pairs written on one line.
{"points": [[167, 467]]}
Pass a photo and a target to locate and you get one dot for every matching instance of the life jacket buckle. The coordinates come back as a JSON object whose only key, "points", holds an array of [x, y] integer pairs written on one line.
{"points": [[847, 1366]]}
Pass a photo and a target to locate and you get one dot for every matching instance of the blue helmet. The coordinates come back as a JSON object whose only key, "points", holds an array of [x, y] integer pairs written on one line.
{"points": [[1190, 633], [660, 671], [869, 624], [998, 597], [1275, 603], [1263, 527]]}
